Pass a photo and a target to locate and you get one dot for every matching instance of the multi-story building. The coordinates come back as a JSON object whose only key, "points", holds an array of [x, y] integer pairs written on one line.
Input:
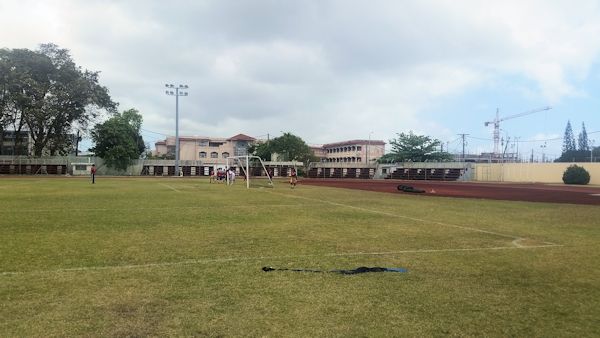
{"points": [[15, 143], [20, 143], [362, 151], [209, 150], [319, 152], [212, 150]]}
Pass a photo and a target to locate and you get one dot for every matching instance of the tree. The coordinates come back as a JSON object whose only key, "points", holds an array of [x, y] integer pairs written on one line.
{"points": [[576, 175], [574, 156], [288, 146], [47, 92], [568, 139], [582, 140], [10, 116], [416, 148], [4, 90], [118, 140]]}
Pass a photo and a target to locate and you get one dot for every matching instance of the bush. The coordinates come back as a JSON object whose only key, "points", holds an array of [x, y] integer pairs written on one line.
{"points": [[576, 175]]}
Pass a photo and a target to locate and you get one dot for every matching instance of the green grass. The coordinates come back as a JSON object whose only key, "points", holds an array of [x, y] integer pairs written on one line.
{"points": [[182, 257]]}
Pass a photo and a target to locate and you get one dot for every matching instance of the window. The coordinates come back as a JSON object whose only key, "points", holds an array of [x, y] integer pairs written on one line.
{"points": [[225, 155], [203, 143], [202, 154], [214, 154], [358, 148], [80, 167], [215, 144], [240, 151]]}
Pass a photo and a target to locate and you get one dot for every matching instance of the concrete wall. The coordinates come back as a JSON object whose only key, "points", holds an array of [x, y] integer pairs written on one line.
{"points": [[530, 172]]}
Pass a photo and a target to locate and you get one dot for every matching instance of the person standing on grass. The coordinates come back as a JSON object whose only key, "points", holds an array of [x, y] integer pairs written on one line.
{"points": [[270, 173], [231, 176], [293, 178], [93, 172], [212, 175]]}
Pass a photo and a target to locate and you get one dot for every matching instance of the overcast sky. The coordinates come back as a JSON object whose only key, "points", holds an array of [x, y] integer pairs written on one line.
{"points": [[330, 71]]}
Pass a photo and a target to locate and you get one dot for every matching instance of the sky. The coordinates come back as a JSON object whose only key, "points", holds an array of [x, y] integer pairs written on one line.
{"points": [[335, 70]]}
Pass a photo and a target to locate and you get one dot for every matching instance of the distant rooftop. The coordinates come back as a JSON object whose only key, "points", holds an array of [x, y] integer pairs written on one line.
{"points": [[354, 142]]}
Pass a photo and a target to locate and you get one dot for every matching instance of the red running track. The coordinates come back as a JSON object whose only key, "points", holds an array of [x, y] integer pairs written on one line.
{"points": [[530, 192]]}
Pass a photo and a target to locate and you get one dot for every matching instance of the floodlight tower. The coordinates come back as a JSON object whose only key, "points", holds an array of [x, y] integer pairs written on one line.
{"points": [[177, 93]]}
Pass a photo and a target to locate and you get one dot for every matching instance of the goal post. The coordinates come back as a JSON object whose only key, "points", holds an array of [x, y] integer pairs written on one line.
{"points": [[253, 168]]}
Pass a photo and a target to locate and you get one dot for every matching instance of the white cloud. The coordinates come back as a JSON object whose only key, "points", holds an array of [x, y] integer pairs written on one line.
{"points": [[326, 70]]}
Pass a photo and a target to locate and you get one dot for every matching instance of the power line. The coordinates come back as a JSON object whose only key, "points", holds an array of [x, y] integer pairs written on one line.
{"points": [[153, 132], [529, 141], [480, 138]]}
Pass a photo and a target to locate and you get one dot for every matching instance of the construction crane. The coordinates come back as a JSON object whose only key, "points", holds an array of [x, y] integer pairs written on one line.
{"points": [[497, 120]]}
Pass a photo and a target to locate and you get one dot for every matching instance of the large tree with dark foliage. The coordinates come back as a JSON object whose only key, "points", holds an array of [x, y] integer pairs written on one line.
{"points": [[289, 147], [571, 153], [568, 139], [118, 140], [46, 92], [415, 148], [582, 140]]}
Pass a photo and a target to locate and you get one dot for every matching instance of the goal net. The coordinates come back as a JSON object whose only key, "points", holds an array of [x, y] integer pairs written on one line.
{"points": [[250, 170]]}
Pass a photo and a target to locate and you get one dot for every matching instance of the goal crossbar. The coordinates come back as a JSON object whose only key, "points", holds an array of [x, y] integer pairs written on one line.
{"points": [[245, 167]]}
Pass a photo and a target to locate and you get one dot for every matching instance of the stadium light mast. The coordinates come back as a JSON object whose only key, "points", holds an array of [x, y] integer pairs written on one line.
{"points": [[177, 93], [543, 146]]}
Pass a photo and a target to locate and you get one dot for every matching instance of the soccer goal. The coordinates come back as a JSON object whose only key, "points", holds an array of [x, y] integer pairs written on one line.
{"points": [[250, 168]]}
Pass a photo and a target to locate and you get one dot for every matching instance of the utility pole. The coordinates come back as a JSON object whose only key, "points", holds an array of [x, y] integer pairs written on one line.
{"points": [[463, 145], [531, 159], [505, 147]]}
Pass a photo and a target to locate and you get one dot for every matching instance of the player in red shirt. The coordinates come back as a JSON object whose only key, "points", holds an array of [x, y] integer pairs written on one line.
{"points": [[93, 172]]}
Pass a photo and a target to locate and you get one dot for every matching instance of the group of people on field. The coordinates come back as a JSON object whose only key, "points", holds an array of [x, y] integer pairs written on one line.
{"points": [[222, 175]]}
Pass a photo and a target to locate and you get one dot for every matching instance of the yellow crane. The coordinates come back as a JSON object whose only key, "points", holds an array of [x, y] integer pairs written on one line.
{"points": [[498, 119]]}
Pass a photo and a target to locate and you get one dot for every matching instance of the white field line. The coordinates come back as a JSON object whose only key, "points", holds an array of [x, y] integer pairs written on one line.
{"points": [[170, 187], [143, 209], [515, 242], [259, 258]]}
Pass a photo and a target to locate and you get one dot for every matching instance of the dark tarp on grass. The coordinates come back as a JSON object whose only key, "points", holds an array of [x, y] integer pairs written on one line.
{"points": [[362, 269]]}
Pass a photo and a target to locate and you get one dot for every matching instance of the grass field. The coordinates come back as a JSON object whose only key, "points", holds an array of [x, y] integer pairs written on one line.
{"points": [[182, 257]]}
